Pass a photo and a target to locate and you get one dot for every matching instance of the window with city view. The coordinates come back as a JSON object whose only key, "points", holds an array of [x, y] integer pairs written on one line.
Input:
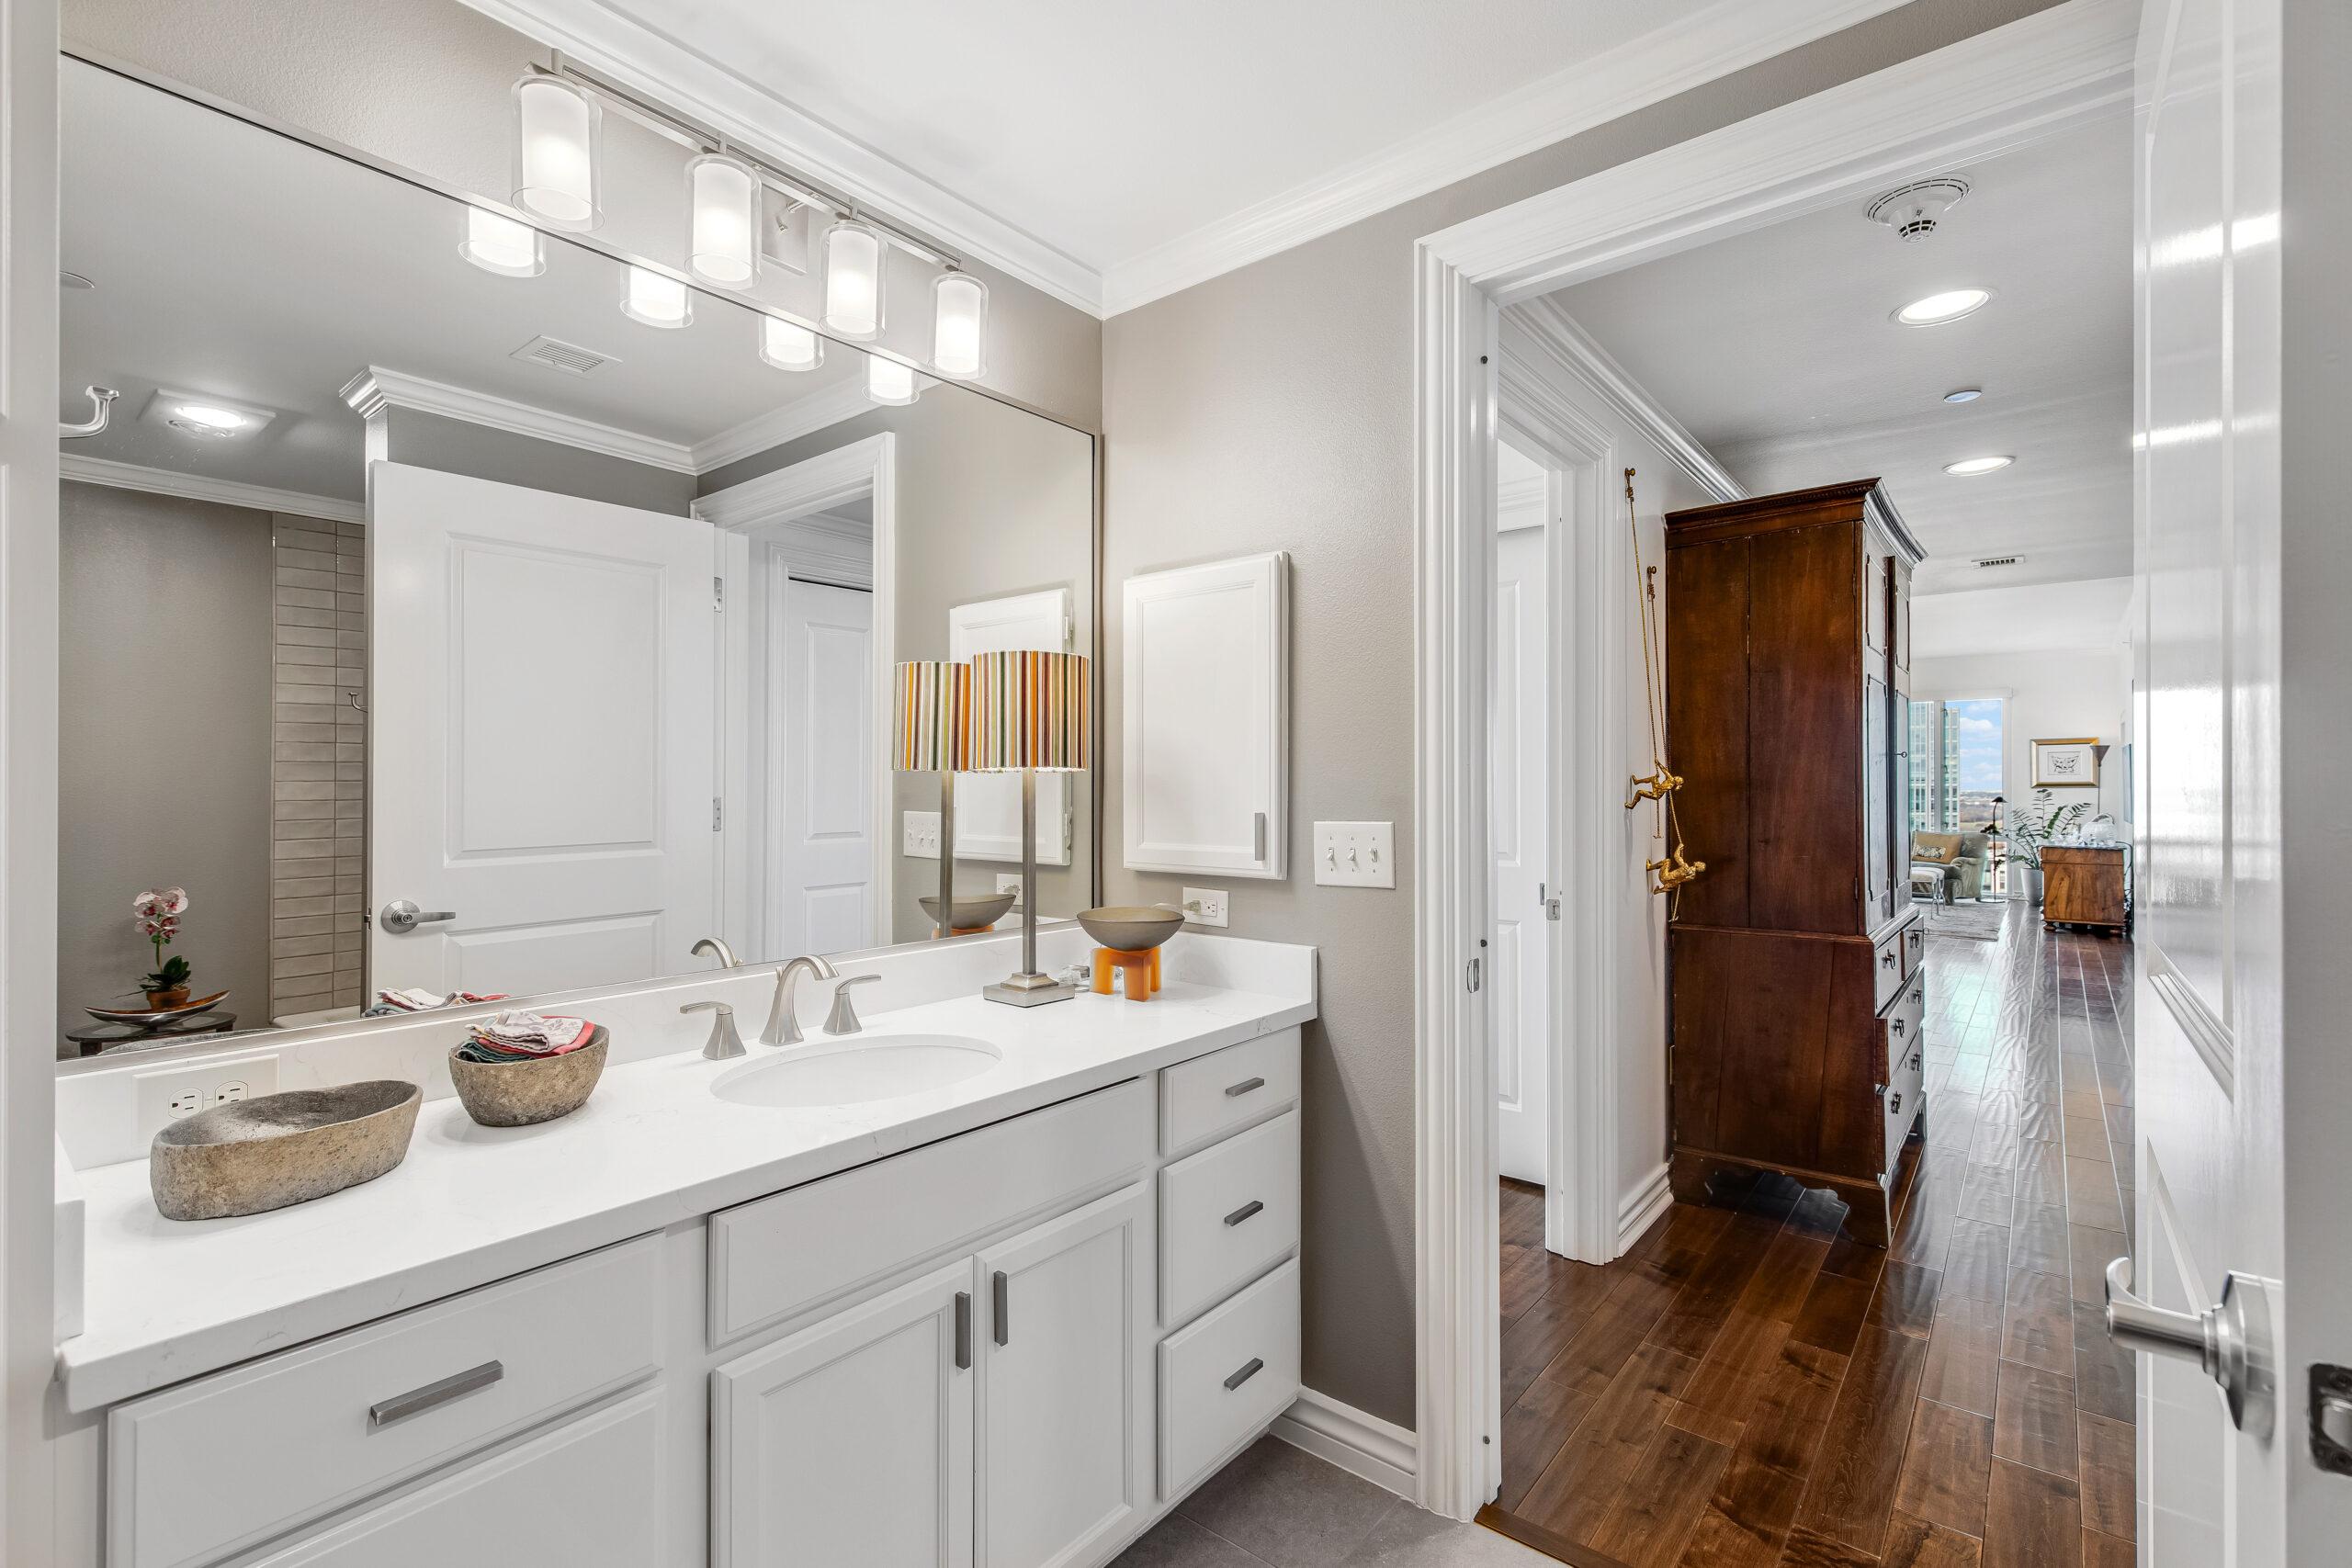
{"points": [[1956, 752]]}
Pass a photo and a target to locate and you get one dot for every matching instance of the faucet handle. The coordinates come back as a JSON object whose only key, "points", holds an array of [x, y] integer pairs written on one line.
{"points": [[724, 1043], [842, 1019]]}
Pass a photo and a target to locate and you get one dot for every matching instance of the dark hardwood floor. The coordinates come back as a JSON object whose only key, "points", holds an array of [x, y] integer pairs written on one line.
{"points": [[1747, 1388]]}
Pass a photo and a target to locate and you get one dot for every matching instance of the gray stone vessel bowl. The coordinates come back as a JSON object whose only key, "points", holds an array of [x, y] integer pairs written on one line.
{"points": [[252, 1155], [1131, 928], [519, 1094]]}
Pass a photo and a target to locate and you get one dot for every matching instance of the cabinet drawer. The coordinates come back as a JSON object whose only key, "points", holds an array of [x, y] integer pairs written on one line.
{"points": [[1898, 1029], [587, 1495], [1225, 1377], [1915, 947], [1224, 1213], [1211, 1095], [779, 1258], [194, 1472], [1886, 969], [1904, 1091]]}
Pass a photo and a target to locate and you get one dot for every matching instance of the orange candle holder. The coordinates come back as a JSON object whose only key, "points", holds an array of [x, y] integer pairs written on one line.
{"points": [[1140, 970]]}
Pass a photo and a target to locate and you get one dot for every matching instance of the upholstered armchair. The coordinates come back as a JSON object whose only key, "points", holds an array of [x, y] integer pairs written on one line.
{"points": [[1956, 858]]}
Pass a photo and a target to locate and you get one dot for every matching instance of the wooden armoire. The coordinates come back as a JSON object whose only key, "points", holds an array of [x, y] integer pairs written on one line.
{"points": [[1795, 960]]}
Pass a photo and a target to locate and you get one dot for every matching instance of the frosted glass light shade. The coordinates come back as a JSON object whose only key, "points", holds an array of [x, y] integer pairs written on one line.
{"points": [[495, 242], [888, 381], [853, 281], [723, 194], [557, 126], [959, 321], [656, 301], [788, 348]]}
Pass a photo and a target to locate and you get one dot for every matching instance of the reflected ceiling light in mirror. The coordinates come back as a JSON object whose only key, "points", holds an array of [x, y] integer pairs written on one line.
{"points": [[1963, 394], [788, 348], [888, 381], [723, 196], [853, 281], [210, 416], [498, 243], [959, 321], [557, 126], [1968, 468], [1948, 306], [656, 299]]}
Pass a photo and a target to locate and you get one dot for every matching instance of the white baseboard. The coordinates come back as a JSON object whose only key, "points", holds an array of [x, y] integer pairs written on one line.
{"points": [[1643, 1208], [1379, 1452]]}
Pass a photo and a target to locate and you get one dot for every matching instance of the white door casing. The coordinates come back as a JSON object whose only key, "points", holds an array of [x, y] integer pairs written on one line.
{"points": [[542, 671], [988, 806], [1522, 879], [821, 884]]}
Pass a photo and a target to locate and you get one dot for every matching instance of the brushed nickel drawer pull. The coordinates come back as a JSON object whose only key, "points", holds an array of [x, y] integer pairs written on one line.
{"points": [[1244, 1212], [1244, 1087], [1897, 1026], [416, 1401], [1249, 1369], [1000, 1307], [1895, 1106], [963, 1330]]}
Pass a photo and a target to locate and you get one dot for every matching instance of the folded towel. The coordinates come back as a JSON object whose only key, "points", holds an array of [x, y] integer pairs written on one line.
{"points": [[416, 998], [524, 1037]]}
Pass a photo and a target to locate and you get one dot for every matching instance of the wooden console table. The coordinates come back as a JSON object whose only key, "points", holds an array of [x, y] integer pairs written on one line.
{"points": [[2085, 886]]}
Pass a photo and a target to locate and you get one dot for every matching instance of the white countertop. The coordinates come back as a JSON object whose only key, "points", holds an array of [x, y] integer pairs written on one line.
{"points": [[168, 1299]]}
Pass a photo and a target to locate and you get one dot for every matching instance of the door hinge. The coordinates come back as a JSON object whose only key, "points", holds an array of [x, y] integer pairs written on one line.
{"points": [[717, 815], [718, 594]]}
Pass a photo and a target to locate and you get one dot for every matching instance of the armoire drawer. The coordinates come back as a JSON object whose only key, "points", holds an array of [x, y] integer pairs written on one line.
{"points": [[1224, 1213], [195, 1472], [1904, 1091], [1209, 1096], [1915, 947], [1886, 969], [1225, 1376], [1899, 1028]]}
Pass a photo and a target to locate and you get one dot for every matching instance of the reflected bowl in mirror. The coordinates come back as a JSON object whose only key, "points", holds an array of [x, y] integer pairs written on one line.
{"points": [[523, 1094], [252, 1155], [1131, 928], [973, 911]]}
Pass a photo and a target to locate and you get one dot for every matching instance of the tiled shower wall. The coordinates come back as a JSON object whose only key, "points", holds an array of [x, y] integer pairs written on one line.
{"points": [[318, 766]]}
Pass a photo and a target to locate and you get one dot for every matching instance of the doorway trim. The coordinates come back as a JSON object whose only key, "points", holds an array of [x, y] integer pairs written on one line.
{"points": [[855, 471], [2042, 76]]}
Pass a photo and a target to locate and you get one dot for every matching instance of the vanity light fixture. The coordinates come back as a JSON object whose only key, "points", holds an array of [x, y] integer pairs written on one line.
{"points": [[959, 318], [1030, 712], [1948, 306], [495, 242], [790, 347], [888, 381], [723, 194], [1968, 468], [558, 128], [853, 281], [657, 299]]}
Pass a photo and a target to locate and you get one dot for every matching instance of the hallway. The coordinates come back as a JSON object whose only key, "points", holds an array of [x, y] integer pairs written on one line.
{"points": [[1750, 1389]]}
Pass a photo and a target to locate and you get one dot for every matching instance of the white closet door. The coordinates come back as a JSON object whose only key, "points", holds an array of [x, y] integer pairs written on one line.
{"points": [[824, 872], [1521, 820], [988, 806]]}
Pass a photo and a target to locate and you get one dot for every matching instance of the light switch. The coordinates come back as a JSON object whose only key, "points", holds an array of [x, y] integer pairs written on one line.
{"points": [[918, 835], [1355, 854]]}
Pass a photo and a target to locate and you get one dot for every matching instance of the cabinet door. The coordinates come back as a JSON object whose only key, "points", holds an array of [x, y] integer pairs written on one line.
{"points": [[1876, 592], [1878, 819], [852, 1441], [1065, 1409]]}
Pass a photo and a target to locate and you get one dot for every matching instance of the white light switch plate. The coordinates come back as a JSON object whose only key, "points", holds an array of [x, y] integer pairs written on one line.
{"points": [[1355, 854], [918, 835]]}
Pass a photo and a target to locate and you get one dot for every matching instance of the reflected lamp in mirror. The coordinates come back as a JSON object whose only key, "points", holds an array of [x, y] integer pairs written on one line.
{"points": [[932, 733], [1030, 714]]}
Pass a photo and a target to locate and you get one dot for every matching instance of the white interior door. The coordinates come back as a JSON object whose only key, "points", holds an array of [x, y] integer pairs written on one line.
{"points": [[822, 738], [1519, 820], [543, 677], [988, 806]]}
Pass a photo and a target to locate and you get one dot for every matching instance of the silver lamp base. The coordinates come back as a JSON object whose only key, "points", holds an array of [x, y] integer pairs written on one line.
{"points": [[1029, 990]]}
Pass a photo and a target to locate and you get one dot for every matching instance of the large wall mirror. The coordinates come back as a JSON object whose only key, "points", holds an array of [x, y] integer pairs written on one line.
{"points": [[533, 598]]}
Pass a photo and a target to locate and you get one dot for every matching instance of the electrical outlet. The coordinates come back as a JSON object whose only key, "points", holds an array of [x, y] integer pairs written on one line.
{"points": [[167, 1094], [1205, 905], [1010, 882], [918, 835], [1355, 854]]}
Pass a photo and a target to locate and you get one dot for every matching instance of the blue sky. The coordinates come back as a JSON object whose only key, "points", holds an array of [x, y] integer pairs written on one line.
{"points": [[1980, 742]]}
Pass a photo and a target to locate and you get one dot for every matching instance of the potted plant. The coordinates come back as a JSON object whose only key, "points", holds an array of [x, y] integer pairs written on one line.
{"points": [[2035, 826], [157, 914]]}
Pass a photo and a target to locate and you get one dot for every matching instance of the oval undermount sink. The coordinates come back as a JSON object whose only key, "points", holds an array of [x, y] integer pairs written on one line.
{"points": [[853, 1072]]}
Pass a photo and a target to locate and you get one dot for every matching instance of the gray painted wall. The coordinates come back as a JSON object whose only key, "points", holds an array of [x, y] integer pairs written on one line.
{"points": [[424, 83], [460, 447], [992, 502], [164, 667], [1271, 407]]}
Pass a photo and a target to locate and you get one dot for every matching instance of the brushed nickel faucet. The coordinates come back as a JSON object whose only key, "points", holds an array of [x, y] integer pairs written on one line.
{"points": [[726, 959], [784, 1026], [724, 1043], [843, 1018]]}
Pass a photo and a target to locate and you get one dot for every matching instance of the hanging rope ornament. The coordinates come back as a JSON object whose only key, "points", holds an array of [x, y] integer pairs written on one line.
{"points": [[1674, 868]]}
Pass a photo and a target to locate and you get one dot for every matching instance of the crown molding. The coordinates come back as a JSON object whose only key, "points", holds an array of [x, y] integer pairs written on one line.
{"points": [[376, 389], [1549, 324], [664, 67], [802, 416], [1727, 36], [807, 488], [196, 487]]}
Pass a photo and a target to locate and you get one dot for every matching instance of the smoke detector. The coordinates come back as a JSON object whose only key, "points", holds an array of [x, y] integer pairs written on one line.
{"points": [[1913, 212]]}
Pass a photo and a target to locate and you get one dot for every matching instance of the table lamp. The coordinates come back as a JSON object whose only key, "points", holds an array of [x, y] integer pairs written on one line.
{"points": [[1029, 713], [933, 734]]}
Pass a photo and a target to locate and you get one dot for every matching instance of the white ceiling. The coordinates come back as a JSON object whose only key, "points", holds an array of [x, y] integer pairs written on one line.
{"points": [[1167, 142], [2029, 619], [1775, 350], [246, 266]]}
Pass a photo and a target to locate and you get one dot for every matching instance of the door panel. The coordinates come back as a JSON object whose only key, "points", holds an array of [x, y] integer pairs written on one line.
{"points": [[1519, 820], [825, 870]]}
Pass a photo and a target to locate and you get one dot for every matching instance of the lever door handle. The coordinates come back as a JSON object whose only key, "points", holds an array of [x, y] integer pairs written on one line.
{"points": [[400, 917], [2230, 1339]]}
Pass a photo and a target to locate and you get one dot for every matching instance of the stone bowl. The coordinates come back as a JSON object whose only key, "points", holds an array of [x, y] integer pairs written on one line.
{"points": [[520, 1094], [252, 1155], [1131, 928], [972, 909]]}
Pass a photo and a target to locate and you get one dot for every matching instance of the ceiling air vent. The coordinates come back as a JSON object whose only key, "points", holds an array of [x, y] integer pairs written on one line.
{"points": [[1913, 212], [558, 354], [1984, 562]]}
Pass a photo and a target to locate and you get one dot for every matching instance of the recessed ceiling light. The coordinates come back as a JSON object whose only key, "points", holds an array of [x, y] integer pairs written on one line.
{"points": [[1963, 394], [1967, 467], [210, 416], [1938, 308]]}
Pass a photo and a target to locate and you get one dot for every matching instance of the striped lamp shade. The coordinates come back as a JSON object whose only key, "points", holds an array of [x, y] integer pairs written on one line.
{"points": [[1030, 710], [933, 730]]}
